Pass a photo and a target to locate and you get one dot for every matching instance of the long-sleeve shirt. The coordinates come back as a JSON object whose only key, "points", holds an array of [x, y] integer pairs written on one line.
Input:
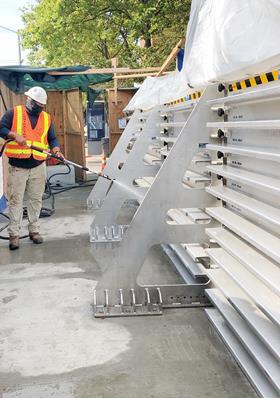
{"points": [[5, 127]]}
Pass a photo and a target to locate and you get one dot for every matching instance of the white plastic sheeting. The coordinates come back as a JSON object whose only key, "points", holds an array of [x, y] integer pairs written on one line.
{"points": [[159, 90], [226, 40], [231, 39]]}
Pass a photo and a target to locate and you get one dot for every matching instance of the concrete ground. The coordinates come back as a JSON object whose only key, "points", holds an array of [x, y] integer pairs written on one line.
{"points": [[52, 347]]}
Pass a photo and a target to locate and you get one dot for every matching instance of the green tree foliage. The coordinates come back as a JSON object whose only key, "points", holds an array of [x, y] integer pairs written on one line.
{"points": [[66, 32]]}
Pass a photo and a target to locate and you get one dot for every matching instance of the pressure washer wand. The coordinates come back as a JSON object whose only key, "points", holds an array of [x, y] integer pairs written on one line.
{"points": [[60, 159]]}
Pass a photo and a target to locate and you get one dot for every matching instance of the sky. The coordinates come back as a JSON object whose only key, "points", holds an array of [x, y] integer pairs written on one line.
{"points": [[10, 18]]}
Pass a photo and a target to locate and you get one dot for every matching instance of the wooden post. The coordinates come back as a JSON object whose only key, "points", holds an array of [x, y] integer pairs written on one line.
{"points": [[138, 75], [64, 101], [107, 70], [114, 65], [171, 56]]}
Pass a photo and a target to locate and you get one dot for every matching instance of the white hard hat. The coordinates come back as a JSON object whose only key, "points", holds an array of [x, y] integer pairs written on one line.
{"points": [[37, 94]]}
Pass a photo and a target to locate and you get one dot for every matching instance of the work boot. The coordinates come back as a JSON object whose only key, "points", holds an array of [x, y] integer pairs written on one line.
{"points": [[14, 242], [36, 237]]}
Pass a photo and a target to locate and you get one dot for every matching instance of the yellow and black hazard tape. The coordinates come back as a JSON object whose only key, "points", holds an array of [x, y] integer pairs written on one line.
{"points": [[253, 81], [192, 96], [263, 78]]}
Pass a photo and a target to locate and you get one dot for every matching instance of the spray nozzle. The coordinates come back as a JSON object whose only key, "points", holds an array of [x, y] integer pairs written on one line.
{"points": [[106, 176]]}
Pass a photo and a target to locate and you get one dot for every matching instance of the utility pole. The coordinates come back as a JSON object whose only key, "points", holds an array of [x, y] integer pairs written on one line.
{"points": [[19, 42]]}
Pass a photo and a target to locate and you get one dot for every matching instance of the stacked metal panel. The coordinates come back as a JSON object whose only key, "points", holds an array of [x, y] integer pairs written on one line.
{"points": [[213, 204], [245, 252]]}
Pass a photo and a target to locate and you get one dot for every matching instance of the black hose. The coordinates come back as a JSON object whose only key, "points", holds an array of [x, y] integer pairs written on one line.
{"points": [[6, 226], [50, 191]]}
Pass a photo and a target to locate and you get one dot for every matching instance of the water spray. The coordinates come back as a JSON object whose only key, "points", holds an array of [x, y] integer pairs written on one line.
{"points": [[105, 176]]}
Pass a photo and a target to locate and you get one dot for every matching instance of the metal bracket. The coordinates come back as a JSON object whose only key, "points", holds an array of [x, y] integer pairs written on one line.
{"points": [[149, 300], [112, 233]]}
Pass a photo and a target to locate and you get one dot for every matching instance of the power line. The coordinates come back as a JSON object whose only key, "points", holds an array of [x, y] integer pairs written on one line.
{"points": [[8, 60], [10, 30], [18, 39]]}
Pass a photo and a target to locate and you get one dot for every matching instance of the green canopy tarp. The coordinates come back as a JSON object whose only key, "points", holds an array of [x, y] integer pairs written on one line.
{"points": [[21, 78]]}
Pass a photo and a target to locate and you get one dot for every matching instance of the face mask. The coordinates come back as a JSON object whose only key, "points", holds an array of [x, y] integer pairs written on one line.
{"points": [[32, 107]]}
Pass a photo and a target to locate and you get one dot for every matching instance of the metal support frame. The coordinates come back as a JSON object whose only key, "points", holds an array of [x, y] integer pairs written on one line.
{"points": [[104, 227], [119, 155], [149, 227], [161, 128]]}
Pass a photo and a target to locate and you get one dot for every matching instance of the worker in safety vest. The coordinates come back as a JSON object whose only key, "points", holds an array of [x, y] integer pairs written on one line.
{"points": [[27, 125]]}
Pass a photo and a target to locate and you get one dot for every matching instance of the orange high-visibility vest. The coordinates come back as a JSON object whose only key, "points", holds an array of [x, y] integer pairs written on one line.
{"points": [[37, 136]]}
